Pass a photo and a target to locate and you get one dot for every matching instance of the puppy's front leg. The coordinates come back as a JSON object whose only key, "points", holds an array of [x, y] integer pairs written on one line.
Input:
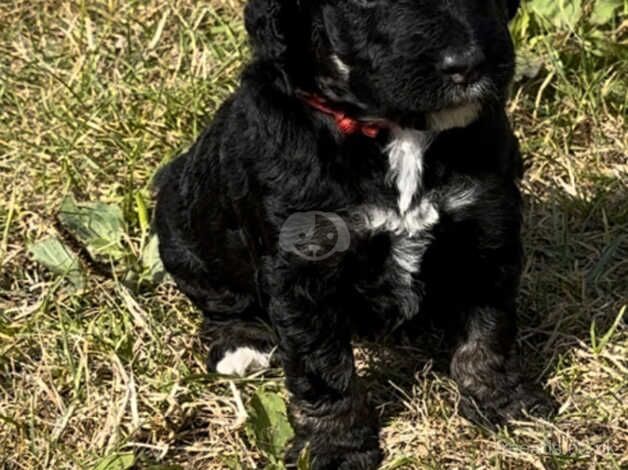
{"points": [[328, 408], [491, 383]]}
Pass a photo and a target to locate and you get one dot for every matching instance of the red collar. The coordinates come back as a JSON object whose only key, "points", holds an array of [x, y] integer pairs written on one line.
{"points": [[346, 124]]}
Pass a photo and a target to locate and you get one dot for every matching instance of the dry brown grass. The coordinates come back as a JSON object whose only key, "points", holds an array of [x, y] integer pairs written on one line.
{"points": [[94, 96]]}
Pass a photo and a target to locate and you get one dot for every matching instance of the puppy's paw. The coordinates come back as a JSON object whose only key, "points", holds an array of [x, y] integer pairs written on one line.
{"points": [[240, 350], [327, 456], [338, 435], [239, 361], [499, 408]]}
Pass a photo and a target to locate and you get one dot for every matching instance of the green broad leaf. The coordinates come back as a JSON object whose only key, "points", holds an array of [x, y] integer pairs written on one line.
{"points": [[99, 226], [117, 461], [267, 425], [560, 13], [604, 11], [55, 256], [153, 268]]}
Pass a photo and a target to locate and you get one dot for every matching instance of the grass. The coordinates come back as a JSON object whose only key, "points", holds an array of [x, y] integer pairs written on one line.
{"points": [[94, 96]]}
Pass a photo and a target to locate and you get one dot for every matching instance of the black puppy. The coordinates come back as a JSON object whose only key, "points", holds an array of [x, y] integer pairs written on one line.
{"points": [[363, 177]]}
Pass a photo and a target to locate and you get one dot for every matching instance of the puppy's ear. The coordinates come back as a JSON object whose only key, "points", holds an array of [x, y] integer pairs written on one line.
{"points": [[513, 7], [270, 24]]}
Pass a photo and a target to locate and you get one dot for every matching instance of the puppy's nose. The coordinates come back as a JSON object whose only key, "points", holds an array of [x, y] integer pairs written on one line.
{"points": [[462, 66]]}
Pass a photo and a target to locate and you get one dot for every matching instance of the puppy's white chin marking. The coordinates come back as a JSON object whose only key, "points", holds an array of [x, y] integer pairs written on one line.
{"points": [[242, 361], [460, 116]]}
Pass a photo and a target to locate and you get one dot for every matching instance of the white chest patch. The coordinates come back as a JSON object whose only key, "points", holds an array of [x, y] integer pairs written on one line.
{"points": [[242, 361], [405, 154], [412, 238], [410, 223]]}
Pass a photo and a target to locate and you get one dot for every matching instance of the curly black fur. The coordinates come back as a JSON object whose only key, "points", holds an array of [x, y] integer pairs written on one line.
{"points": [[275, 216]]}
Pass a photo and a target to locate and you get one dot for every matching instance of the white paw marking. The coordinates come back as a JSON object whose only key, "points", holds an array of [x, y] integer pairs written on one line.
{"points": [[242, 361]]}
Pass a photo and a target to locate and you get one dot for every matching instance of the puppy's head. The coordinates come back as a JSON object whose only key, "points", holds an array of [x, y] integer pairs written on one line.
{"points": [[401, 60]]}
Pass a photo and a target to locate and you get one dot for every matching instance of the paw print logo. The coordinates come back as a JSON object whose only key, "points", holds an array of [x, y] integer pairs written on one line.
{"points": [[315, 235]]}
